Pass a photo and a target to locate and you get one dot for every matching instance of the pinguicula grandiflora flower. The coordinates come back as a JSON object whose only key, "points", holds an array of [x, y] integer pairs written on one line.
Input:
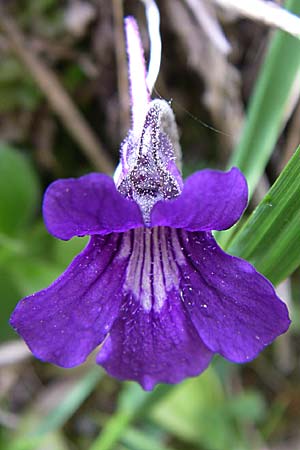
{"points": [[152, 286]]}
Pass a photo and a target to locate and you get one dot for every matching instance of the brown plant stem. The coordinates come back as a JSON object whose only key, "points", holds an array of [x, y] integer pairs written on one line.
{"points": [[56, 95], [121, 61]]}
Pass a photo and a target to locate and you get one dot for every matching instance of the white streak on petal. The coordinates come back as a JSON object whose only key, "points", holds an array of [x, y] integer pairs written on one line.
{"points": [[135, 265], [159, 254], [139, 250], [176, 247], [152, 270], [126, 246], [146, 294], [169, 265]]}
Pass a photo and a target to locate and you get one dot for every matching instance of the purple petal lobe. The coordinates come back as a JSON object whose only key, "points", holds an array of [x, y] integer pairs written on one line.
{"points": [[64, 323], [234, 308], [152, 347], [210, 200], [86, 206]]}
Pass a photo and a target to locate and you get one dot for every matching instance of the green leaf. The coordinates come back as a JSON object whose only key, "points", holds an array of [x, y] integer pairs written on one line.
{"points": [[270, 239], [19, 191], [198, 412], [31, 274], [20, 276], [65, 251], [268, 104], [247, 406], [9, 294], [137, 440], [192, 410]]}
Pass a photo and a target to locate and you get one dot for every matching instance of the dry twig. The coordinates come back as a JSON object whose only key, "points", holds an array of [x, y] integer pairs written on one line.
{"points": [[222, 80], [121, 65], [59, 100], [205, 16], [13, 352], [266, 12]]}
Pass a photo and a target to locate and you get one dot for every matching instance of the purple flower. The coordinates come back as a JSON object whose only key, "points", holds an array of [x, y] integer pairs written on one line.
{"points": [[152, 286]]}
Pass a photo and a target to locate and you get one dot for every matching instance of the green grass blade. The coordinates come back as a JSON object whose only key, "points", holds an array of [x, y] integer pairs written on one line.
{"points": [[137, 440], [112, 432], [70, 404], [133, 403], [268, 104], [47, 431], [270, 239]]}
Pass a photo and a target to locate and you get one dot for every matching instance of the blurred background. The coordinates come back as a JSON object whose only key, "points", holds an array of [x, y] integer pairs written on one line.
{"points": [[64, 109]]}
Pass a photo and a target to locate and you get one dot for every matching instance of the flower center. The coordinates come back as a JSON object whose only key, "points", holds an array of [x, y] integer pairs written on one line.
{"points": [[151, 162]]}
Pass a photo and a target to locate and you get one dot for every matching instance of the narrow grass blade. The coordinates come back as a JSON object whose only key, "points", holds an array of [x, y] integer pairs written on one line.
{"points": [[48, 430], [133, 403], [268, 104], [137, 440], [70, 404], [270, 239]]}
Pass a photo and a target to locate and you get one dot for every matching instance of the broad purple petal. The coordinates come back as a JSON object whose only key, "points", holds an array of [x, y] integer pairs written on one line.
{"points": [[86, 206], [234, 308], [64, 323], [210, 200], [153, 346]]}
